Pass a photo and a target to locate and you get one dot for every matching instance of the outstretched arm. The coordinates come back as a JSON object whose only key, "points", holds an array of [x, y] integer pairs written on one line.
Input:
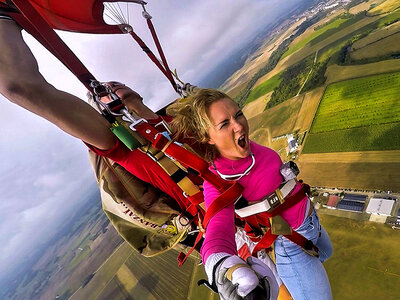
{"points": [[22, 83]]}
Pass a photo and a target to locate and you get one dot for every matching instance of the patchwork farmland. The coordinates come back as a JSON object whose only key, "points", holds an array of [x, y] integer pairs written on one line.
{"points": [[357, 115]]}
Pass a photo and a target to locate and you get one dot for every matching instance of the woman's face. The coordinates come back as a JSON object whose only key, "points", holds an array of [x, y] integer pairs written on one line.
{"points": [[229, 131]]}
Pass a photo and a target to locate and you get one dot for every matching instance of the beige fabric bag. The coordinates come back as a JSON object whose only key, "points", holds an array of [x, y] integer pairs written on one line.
{"points": [[143, 215]]}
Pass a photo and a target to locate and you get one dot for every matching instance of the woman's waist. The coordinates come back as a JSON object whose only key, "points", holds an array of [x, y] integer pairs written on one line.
{"points": [[296, 214]]}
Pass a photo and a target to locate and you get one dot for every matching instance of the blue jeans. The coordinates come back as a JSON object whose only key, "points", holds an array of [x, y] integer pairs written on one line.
{"points": [[303, 274]]}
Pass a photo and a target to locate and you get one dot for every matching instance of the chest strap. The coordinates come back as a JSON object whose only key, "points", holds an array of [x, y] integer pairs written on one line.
{"points": [[268, 203]]}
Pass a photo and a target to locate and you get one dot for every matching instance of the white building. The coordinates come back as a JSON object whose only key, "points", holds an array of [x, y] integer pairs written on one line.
{"points": [[292, 143], [380, 206]]}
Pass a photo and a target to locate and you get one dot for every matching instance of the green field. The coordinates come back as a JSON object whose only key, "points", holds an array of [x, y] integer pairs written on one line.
{"points": [[264, 88], [324, 31], [358, 115], [369, 138], [334, 48], [366, 259]]}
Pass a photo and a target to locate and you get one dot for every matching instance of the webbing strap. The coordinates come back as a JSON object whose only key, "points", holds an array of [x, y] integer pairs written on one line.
{"points": [[33, 22], [223, 200], [182, 155], [182, 256], [161, 52], [300, 240], [265, 242], [289, 201], [268, 238]]}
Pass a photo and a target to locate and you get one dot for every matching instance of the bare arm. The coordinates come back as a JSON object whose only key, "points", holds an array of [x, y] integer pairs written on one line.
{"points": [[21, 83]]}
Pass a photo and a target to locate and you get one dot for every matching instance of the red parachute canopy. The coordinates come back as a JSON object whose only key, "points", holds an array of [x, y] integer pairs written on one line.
{"points": [[76, 15], [40, 17]]}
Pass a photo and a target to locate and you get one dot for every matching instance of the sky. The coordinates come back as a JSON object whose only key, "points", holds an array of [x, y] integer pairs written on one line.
{"points": [[44, 173]]}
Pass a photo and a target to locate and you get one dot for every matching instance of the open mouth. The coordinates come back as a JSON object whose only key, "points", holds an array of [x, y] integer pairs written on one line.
{"points": [[242, 141]]}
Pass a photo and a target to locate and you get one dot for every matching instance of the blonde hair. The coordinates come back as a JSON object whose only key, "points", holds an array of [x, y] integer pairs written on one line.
{"points": [[191, 117]]}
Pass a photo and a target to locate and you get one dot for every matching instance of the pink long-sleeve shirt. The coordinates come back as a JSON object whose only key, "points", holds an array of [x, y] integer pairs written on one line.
{"points": [[263, 179]]}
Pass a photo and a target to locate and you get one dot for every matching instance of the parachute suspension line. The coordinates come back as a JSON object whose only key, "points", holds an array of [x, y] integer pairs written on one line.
{"points": [[116, 12], [127, 12]]}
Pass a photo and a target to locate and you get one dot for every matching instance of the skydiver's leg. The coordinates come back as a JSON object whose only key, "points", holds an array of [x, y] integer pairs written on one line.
{"points": [[22, 83]]}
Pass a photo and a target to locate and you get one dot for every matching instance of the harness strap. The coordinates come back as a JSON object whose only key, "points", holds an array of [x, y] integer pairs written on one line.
{"points": [[182, 155], [307, 245], [265, 242], [33, 22], [254, 222], [270, 202], [161, 52], [289, 202], [223, 200], [182, 256]]}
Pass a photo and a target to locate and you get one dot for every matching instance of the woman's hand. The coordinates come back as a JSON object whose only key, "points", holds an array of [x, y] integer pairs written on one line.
{"points": [[233, 278]]}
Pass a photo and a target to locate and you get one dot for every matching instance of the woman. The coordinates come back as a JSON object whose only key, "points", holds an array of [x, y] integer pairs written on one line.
{"points": [[214, 119]]}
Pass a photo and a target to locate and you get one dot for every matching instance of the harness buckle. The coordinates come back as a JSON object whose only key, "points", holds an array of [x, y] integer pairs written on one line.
{"points": [[127, 116], [275, 199], [310, 249]]}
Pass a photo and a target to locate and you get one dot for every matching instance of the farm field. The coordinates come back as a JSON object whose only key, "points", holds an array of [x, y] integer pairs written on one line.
{"points": [[308, 109], [244, 74], [359, 114], [279, 119], [105, 274], [361, 170], [134, 276], [384, 46], [256, 107], [376, 36], [374, 137], [349, 174], [264, 88], [365, 255], [262, 136], [336, 73], [293, 115], [364, 6], [387, 6], [351, 157], [310, 31], [309, 49], [382, 21], [329, 27]]}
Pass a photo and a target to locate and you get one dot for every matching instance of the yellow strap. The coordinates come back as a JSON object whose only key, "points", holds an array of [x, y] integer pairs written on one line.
{"points": [[280, 196], [168, 165], [233, 269], [188, 186]]}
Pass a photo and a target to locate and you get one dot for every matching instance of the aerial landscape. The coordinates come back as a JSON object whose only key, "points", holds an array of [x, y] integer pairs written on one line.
{"points": [[322, 88]]}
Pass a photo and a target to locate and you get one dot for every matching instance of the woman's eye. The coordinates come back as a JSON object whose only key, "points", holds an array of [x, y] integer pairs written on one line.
{"points": [[223, 125], [239, 114]]}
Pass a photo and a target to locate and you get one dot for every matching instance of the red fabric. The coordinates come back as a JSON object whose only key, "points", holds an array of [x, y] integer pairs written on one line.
{"points": [[244, 252], [143, 167], [75, 15]]}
